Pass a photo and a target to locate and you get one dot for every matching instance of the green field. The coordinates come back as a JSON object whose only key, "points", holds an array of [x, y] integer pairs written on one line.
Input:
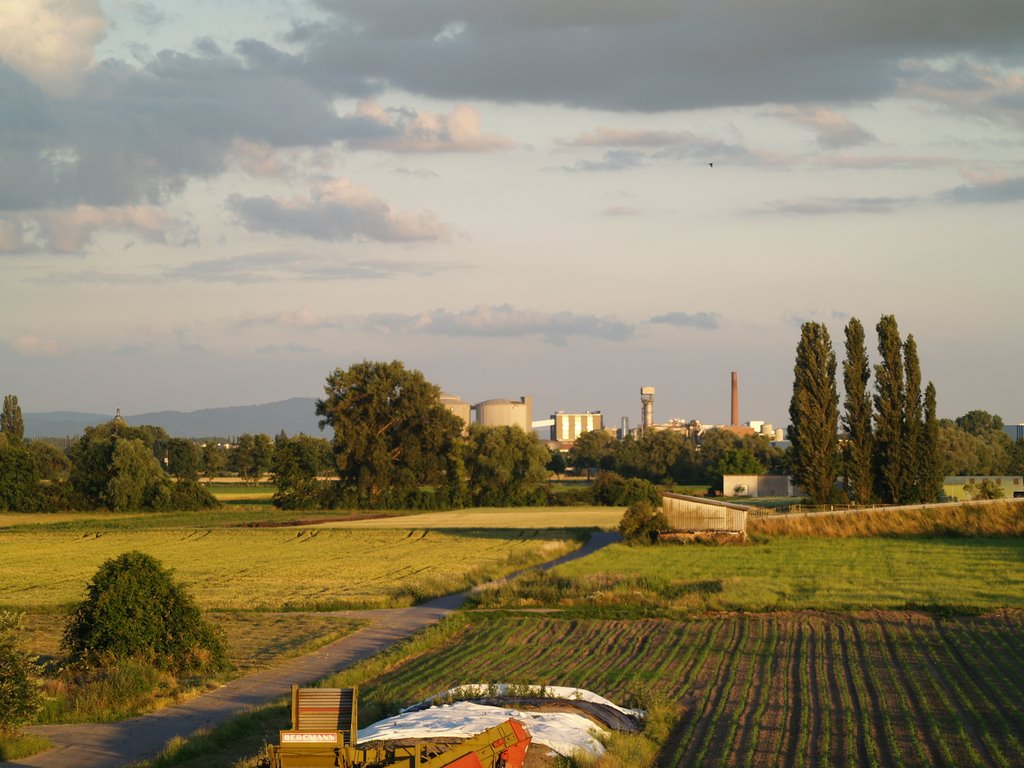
{"points": [[274, 568], [972, 574]]}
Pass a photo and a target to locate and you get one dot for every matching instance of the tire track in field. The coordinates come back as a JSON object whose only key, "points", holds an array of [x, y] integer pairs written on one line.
{"points": [[738, 740], [817, 705], [841, 741], [878, 708], [900, 669], [939, 671], [676, 744], [863, 750], [794, 720], [972, 679], [713, 694]]}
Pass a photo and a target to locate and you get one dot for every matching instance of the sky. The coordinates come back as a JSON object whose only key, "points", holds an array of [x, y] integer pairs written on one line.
{"points": [[207, 203]]}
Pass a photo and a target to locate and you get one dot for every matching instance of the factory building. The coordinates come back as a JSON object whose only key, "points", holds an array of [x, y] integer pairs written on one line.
{"points": [[506, 413], [458, 406], [567, 427]]}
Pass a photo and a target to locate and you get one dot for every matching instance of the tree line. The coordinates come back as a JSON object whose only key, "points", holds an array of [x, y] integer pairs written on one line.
{"points": [[892, 447]]}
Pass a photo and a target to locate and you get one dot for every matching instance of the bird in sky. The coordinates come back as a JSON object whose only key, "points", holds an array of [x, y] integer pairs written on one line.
{"points": [[711, 165]]}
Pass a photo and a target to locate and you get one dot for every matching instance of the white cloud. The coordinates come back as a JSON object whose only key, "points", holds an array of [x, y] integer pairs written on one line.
{"points": [[70, 230], [832, 130], [403, 131], [36, 346], [51, 42]]}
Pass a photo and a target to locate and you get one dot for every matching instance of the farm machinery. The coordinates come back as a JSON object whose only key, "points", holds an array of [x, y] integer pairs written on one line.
{"points": [[324, 734]]}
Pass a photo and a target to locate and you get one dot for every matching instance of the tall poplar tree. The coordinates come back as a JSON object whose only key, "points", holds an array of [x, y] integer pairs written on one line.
{"points": [[814, 414], [857, 415], [11, 422], [930, 466], [890, 403], [913, 421]]}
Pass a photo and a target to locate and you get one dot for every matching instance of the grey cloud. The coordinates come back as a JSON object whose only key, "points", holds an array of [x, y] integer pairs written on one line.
{"points": [[1001, 191], [138, 134], [614, 160], [968, 87], [621, 210], [265, 267], [277, 349], [504, 321], [147, 14], [827, 206], [704, 320], [337, 212], [662, 145], [655, 55]]}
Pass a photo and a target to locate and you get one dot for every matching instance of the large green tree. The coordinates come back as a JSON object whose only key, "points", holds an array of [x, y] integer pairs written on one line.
{"points": [[19, 478], [298, 463], [505, 466], [184, 458], [252, 457], [115, 466], [592, 450], [857, 416], [890, 468], [391, 433], [11, 422], [814, 414]]}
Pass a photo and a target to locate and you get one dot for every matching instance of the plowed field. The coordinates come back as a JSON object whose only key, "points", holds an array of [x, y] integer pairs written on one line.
{"points": [[799, 689]]}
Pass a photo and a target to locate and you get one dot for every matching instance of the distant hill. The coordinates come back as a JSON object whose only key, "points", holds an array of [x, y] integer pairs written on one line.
{"points": [[295, 415]]}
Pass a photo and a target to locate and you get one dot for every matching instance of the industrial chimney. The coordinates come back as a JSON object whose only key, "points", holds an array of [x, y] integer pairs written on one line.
{"points": [[735, 400]]}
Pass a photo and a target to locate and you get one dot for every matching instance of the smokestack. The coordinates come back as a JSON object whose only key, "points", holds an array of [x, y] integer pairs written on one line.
{"points": [[735, 400]]}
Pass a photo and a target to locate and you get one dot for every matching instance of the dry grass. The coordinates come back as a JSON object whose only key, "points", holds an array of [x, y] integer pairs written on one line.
{"points": [[998, 519], [272, 569], [512, 518]]}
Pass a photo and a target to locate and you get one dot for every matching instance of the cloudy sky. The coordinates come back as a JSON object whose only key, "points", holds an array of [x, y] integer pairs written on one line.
{"points": [[217, 202]]}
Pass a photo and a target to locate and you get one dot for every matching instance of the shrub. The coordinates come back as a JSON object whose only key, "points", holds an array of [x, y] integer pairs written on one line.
{"points": [[189, 495], [19, 690], [135, 609], [642, 523], [612, 490]]}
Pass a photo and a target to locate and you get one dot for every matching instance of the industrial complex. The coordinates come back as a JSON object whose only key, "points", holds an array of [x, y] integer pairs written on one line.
{"points": [[564, 427]]}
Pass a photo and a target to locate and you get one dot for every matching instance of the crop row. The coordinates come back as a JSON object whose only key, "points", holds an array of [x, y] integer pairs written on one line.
{"points": [[804, 689]]}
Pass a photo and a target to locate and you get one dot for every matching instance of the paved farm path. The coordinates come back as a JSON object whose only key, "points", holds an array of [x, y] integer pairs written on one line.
{"points": [[108, 745]]}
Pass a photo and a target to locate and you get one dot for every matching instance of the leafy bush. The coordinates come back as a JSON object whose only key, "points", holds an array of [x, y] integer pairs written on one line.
{"points": [[642, 523], [189, 495], [613, 490], [19, 691], [135, 609]]}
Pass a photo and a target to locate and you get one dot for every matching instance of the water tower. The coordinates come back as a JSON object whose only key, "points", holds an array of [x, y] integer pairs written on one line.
{"points": [[646, 408]]}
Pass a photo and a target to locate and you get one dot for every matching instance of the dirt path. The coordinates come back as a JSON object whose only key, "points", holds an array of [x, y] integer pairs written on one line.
{"points": [[108, 745]]}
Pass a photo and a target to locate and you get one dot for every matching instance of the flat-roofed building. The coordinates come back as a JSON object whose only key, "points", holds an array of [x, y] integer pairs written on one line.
{"points": [[569, 426]]}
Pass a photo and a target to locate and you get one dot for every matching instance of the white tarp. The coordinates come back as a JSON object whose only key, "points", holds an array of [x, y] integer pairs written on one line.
{"points": [[562, 732]]}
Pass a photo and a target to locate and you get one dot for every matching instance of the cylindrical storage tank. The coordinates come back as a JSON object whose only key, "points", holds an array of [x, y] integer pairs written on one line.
{"points": [[503, 413]]}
